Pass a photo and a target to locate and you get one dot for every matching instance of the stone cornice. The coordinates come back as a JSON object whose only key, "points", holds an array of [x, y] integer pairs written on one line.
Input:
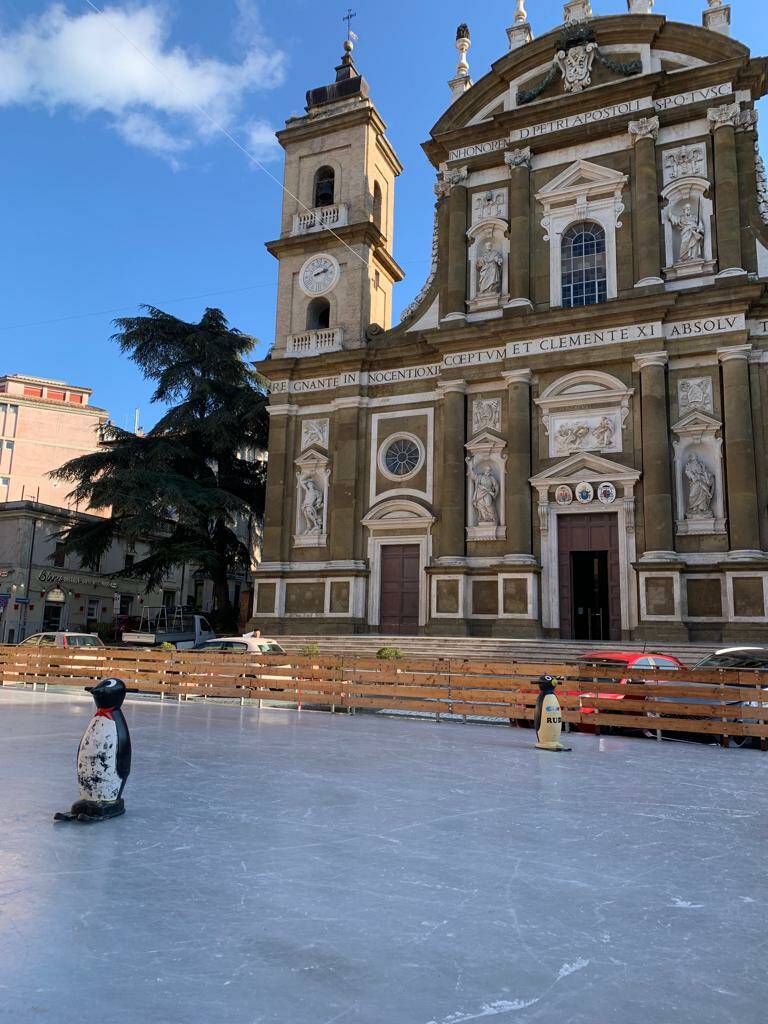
{"points": [[365, 233]]}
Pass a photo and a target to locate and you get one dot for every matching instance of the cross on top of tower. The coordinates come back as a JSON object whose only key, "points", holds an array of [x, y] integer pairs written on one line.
{"points": [[348, 18]]}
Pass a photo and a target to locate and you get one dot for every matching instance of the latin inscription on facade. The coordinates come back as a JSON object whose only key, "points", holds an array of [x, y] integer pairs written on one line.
{"points": [[685, 99], [584, 339], [580, 120], [704, 327], [479, 149]]}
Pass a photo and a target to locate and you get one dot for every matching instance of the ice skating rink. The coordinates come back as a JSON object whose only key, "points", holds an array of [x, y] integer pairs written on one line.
{"points": [[284, 868]]}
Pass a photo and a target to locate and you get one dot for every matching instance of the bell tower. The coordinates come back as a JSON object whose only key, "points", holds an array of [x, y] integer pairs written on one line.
{"points": [[337, 270]]}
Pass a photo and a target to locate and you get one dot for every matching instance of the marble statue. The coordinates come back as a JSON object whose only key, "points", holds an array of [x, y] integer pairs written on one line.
{"points": [[691, 235], [485, 494], [701, 488], [312, 504], [489, 266], [604, 432]]}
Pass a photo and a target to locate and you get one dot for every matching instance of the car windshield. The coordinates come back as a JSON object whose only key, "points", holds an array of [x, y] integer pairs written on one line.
{"points": [[737, 659], [84, 641]]}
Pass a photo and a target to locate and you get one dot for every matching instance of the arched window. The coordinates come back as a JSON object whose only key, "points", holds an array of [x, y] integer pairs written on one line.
{"points": [[584, 277], [378, 206], [318, 315], [325, 186]]}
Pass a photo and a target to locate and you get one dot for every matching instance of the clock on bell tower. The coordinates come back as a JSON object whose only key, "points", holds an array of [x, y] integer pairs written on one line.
{"points": [[337, 270]]}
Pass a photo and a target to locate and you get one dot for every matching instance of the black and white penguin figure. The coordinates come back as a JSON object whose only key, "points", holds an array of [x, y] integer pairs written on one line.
{"points": [[103, 758], [548, 720]]}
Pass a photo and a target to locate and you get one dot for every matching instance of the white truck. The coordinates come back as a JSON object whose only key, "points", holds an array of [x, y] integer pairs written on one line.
{"points": [[178, 627]]}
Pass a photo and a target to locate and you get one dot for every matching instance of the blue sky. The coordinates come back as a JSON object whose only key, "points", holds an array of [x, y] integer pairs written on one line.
{"points": [[116, 192]]}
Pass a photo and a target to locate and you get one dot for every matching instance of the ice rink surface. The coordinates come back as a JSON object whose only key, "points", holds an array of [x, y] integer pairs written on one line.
{"points": [[283, 868]]}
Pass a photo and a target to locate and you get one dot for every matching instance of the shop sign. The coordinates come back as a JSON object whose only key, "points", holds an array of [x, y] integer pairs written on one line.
{"points": [[63, 580]]}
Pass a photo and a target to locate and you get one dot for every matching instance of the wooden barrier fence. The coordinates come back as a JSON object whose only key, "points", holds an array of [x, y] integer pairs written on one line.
{"points": [[723, 703]]}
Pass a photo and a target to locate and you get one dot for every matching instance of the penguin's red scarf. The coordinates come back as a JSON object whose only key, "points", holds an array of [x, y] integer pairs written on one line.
{"points": [[104, 713]]}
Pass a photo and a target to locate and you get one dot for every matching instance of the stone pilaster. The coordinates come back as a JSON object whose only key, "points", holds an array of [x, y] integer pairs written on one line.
{"points": [[278, 506], [645, 217], [345, 511], [519, 163], [723, 121], [743, 509], [657, 473], [518, 496], [452, 506], [453, 305]]}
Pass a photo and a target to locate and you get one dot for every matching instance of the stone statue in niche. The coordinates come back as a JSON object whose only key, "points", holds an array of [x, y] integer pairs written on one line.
{"points": [[489, 266], [603, 433], [312, 505], [691, 231], [485, 494], [486, 414], [701, 489], [576, 66]]}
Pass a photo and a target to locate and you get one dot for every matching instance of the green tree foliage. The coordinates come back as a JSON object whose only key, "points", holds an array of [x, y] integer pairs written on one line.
{"points": [[182, 487]]}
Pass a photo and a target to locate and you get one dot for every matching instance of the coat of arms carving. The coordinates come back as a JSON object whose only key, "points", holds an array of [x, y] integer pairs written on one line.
{"points": [[576, 66]]}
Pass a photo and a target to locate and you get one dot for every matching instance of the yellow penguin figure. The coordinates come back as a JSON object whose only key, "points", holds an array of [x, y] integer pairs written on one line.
{"points": [[548, 719]]}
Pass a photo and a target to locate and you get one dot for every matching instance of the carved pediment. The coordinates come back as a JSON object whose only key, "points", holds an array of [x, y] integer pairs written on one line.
{"points": [[582, 178], [697, 423], [585, 466]]}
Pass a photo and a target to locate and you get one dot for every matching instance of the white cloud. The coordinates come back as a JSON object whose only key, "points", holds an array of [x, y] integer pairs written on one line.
{"points": [[261, 142], [123, 64]]}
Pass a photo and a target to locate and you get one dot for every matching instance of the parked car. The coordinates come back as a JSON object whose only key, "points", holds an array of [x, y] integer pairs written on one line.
{"points": [[251, 643], [62, 638], [734, 659], [241, 645], [628, 664]]}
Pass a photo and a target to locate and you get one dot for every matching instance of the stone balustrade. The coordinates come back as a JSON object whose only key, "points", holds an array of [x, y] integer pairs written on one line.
{"points": [[313, 343], [320, 219]]}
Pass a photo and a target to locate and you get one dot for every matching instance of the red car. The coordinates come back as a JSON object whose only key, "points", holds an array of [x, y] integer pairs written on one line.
{"points": [[629, 663]]}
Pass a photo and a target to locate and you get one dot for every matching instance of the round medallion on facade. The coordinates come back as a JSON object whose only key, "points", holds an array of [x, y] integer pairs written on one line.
{"points": [[319, 274], [585, 492], [564, 495], [401, 457], [606, 493]]}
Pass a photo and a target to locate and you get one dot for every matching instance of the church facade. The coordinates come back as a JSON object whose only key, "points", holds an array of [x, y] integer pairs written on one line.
{"points": [[566, 433]]}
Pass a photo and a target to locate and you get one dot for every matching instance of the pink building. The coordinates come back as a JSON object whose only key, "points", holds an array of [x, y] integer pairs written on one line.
{"points": [[43, 424]]}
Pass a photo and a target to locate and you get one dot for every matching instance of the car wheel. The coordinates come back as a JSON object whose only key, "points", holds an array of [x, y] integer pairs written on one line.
{"points": [[740, 741]]}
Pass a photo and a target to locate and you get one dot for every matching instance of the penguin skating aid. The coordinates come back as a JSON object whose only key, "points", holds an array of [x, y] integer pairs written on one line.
{"points": [[103, 758], [548, 720]]}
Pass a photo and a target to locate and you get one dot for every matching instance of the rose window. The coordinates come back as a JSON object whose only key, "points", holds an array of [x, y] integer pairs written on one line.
{"points": [[402, 457]]}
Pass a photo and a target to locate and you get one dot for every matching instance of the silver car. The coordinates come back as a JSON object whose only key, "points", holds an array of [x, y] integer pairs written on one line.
{"points": [[62, 638]]}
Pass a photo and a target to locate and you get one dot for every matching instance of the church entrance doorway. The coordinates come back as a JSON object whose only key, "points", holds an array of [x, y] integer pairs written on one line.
{"points": [[400, 588], [589, 577]]}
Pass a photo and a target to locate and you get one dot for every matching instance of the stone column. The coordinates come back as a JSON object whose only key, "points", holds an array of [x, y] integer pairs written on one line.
{"points": [[645, 206], [454, 300], [278, 505], [453, 472], [345, 510], [722, 121], [518, 496], [657, 474], [743, 510], [519, 163]]}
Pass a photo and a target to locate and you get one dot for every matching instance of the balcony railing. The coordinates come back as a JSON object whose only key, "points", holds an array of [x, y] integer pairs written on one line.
{"points": [[315, 343], [320, 219]]}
